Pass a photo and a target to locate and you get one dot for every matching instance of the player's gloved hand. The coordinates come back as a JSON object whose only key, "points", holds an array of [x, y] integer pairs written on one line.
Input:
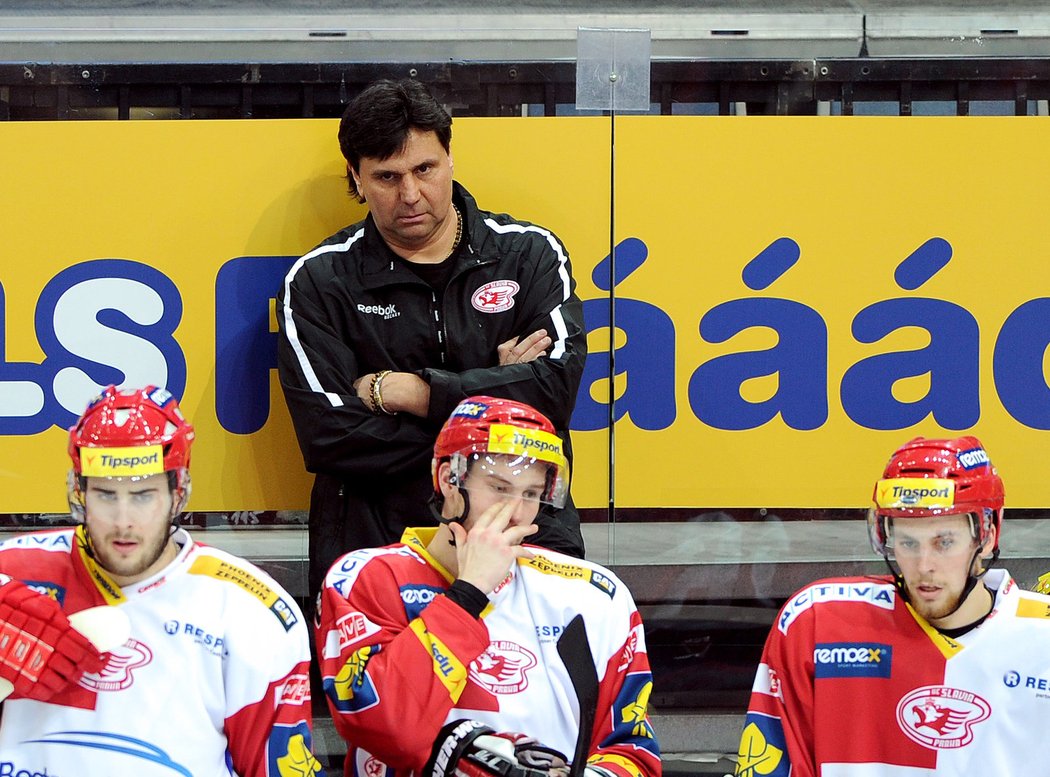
{"points": [[528, 751], [40, 651], [468, 748]]}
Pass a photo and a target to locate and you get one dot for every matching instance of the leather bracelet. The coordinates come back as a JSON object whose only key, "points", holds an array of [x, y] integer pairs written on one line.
{"points": [[375, 393]]}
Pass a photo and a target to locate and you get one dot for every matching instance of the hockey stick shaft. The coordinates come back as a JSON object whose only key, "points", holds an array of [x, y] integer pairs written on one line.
{"points": [[575, 652]]}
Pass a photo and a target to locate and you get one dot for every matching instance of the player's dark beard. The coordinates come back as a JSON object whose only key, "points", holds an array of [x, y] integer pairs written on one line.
{"points": [[110, 562]]}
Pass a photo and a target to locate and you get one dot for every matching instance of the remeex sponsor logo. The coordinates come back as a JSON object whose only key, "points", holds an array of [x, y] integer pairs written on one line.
{"points": [[975, 457], [852, 659]]}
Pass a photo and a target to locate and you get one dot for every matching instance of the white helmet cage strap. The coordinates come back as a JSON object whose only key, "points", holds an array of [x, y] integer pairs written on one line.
{"points": [[180, 494], [555, 486], [880, 529]]}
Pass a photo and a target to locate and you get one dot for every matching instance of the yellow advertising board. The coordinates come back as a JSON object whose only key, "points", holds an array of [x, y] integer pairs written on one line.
{"points": [[795, 296]]}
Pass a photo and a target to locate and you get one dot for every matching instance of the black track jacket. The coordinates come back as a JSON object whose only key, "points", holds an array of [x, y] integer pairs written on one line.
{"points": [[351, 307]]}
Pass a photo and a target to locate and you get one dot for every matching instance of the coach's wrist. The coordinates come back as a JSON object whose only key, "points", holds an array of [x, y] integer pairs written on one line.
{"points": [[405, 392]]}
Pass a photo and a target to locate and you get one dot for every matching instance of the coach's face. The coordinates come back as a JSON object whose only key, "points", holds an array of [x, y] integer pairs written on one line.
{"points": [[410, 194]]}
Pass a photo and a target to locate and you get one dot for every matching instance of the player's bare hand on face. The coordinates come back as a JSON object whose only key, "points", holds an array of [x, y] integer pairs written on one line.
{"points": [[486, 552], [532, 347]]}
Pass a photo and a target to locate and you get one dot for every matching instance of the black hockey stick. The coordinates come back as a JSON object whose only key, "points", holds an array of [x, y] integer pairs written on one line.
{"points": [[575, 652]]}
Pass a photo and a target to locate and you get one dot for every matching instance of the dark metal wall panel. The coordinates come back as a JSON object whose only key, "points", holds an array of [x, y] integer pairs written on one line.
{"points": [[40, 91]]}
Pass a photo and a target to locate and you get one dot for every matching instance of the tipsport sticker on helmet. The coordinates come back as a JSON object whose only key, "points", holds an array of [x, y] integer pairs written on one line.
{"points": [[122, 462], [904, 493], [535, 443]]}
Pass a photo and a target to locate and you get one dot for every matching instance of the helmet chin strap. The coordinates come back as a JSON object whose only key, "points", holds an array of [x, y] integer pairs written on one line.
{"points": [[436, 504], [971, 579]]}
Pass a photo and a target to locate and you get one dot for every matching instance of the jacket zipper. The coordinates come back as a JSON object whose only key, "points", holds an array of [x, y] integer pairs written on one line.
{"points": [[439, 322]]}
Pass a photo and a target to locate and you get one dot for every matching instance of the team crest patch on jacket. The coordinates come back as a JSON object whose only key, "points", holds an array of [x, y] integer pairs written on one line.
{"points": [[503, 667], [495, 297], [939, 717]]}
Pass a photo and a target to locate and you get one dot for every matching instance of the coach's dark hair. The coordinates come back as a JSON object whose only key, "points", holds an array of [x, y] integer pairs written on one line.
{"points": [[376, 123]]}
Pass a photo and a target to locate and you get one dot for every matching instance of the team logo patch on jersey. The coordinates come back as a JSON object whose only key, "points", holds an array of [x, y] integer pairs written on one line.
{"points": [[631, 708], [368, 765], [763, 749], [941, 718], [118, 672], [503, 667], [851, 659], [289, 752], [495, 297], [352, 689]]}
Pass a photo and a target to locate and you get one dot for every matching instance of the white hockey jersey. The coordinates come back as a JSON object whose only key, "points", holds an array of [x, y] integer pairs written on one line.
{"points": [[213, 681]]}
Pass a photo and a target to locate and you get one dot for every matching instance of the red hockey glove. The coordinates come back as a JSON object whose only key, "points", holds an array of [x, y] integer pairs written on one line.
{"points": [[40, 651], [468, 748]]}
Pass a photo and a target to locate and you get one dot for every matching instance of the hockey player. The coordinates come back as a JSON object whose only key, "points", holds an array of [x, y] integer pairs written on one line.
{"points": [[936, 669], [462, 621], [212, 677]]}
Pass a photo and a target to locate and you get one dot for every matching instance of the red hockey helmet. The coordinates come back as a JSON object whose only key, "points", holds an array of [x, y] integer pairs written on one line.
{"points": [[938, 477], [487, 425], [130, 433]]}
